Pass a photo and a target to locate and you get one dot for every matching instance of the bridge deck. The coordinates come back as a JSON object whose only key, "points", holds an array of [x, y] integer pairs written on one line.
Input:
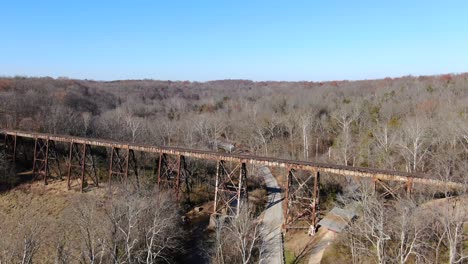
{"points": [[251, 159]]}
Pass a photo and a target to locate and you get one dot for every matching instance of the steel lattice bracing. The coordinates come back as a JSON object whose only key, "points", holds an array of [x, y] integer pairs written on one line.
{"points": [[45, 159], [302, 200], [5, 164], [230, 188], [392, 189], [10, 147], [16, 147], [81, 166], [173, 174], [123, 166]]}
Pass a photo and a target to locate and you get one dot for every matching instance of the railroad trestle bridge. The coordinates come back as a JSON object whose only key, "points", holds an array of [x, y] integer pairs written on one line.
{"points": [[301, 189]]}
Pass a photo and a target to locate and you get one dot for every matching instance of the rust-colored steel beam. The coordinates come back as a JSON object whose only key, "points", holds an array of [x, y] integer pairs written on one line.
{"points": [[14, 147], [169, 173], [286, 209], [409, 187], [10, 144], [41, 158], [81, 165], [231, 188], [132, 168], [383, 175], [122, 163], [315, 203], [117, 165], [173, 174], [301, 200], [215, 209], [393, 189], [44, 154], [242, 192]]}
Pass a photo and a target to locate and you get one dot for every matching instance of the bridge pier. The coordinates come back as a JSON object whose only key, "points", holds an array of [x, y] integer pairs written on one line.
{"points": [[45, 153], [15, 148], [81, 165], [171, 171], [10, 147], [302, 201], [230, 188], [120, 166]]}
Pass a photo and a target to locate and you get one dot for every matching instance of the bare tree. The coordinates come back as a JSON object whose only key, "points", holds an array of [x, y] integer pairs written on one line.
{"points": [[162, 233], [238, 239], [414, 142], [262, 137], [87, 117], [219, 255], [463, 135], [306, 126], [167, 131], [63, 254], [146, 226], [345, 116], [371, 228], [31, 241], [21, 241], [91, 229], [385, 139], [407, 231], [452, 218], [134, 124]]}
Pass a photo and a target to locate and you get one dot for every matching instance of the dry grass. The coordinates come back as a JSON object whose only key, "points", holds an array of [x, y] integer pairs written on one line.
{"points": [[49, 206], [298, 244], [336, 253]]}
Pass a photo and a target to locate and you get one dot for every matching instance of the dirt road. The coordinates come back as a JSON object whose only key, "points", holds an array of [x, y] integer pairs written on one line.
{"points": [[321, 241]]}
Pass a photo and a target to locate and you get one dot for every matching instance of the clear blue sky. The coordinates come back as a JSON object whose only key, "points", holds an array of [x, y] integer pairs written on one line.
{"points": [[206, 40]]}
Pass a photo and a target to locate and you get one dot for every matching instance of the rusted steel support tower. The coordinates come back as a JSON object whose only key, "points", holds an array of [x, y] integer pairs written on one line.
{"points": [[122, 165], [10, 144], [230, 188], [16, 148], [81, 166], [45, 154], [302, 200], [173, 173], [393, 189]]}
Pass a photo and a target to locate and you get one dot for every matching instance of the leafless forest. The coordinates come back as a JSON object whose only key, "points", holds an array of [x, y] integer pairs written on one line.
{"points": [[413, 124]]}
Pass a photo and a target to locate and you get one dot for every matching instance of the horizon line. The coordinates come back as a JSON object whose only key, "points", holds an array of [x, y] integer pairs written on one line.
{"points": [[233, 79]]}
